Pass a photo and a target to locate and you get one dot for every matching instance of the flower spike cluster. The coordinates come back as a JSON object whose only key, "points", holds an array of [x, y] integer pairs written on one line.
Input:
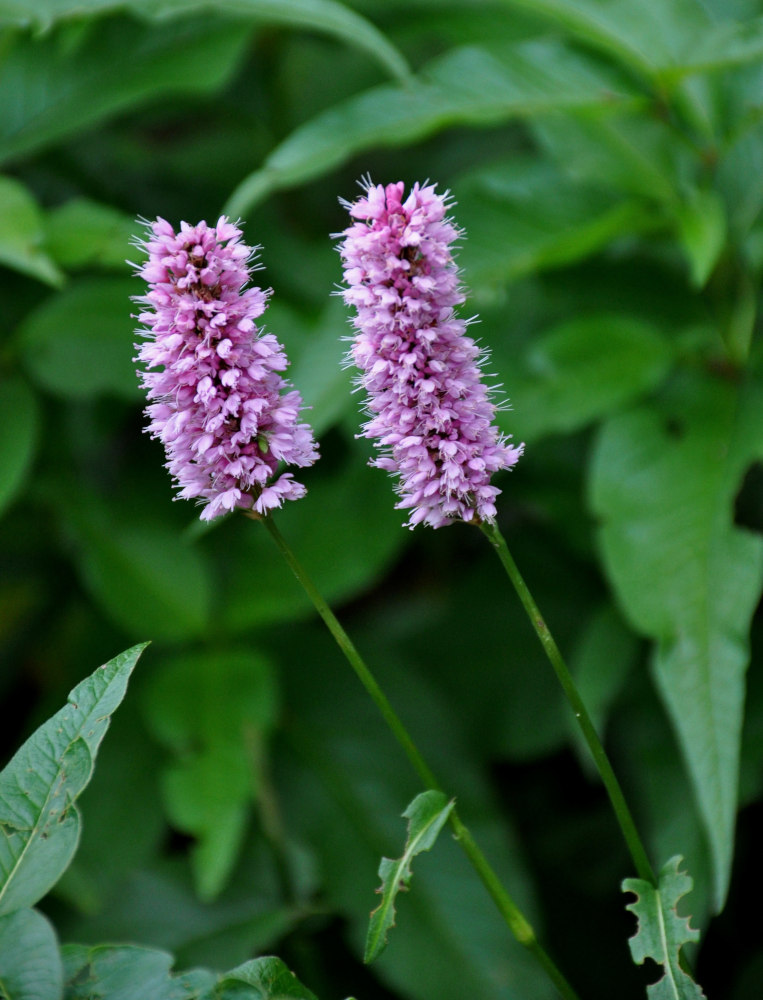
{"points": [[431, 415], [217, 399]]}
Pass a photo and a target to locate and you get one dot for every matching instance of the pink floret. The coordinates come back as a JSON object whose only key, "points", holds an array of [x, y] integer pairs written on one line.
{"points": [[217, 400]]}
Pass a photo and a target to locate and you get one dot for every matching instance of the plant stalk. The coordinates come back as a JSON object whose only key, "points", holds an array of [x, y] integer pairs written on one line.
{"points": [[611, 784], [512, 915]]}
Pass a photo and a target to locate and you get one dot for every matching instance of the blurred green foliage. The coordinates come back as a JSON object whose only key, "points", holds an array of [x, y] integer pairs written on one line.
{"points": [[606, 157]]}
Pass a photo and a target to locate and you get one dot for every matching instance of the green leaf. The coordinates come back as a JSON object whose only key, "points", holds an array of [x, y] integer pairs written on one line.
{"points": [[83, 233], [215, 710], [702, 229], [39, 822], [661, 932], [467, 86], [79, 343], [312, 15], [125, 972], [22, 234], [269, 978], [663, 487], [583, 370], [426, 816], [19, 430], [30, 965], [524, 214], [70, 79]]}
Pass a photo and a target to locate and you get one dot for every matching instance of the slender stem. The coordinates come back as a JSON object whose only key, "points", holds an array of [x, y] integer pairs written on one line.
{"points": [[512, 915], [612, 785]]}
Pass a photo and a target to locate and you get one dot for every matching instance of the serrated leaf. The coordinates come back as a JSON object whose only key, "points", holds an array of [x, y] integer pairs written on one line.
{"points": [[663, 486], [466, 86], [269, 978], [125, 972], [79, 343], [39, 822], [22, 234], [30, 964], [661, 932], [702, 229], [426, 816], [19, 425], [64, 82]]}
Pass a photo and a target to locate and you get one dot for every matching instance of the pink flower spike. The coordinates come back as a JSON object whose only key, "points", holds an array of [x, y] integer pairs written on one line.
{"points": [[430, 414], [212, 378]]}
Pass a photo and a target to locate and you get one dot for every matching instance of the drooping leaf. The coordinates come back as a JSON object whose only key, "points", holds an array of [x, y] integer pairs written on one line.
{"points": [[426, 816], [30, 964], [269, 978], [702, 229], [79, 343], [39, 821], [663, 485], [125, 972], [19, 422], [661, 932], [22, 234], [467, 86]]}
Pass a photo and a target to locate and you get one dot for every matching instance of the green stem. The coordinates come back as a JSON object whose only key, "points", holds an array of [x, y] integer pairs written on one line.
{"points": [[512, 915], [612, 785]]}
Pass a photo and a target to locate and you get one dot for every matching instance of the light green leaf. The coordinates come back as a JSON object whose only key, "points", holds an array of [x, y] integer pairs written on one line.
{"points": [[22, 235], [83, 233], [583, 370], [269, 978], [426, 816], [524, 214], [215, 710], [661, 932], [39, 822], [79, 343], [663, 487], [702, 228], [30, 965], [19, 427], [312, 15], [126, 972], [467, 86], [69, 80]]}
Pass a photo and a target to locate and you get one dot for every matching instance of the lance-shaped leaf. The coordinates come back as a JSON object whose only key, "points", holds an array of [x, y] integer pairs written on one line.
{"points": [[39, 822], [426, 816], [661, 932]]}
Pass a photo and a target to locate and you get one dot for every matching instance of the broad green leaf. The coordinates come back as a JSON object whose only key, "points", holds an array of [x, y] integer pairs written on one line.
{"points": [[702, 229], [721, 46], [312, 15], [83, 233], [145, 575], [79, 343], [523, 214], [69, 80], [467, 86], [426, 816], [39, 822], [126, 972], [663, 487], [269, 978], [22, 234], [583, 370], [30, 965], [19, 427], [661, 932], [215, 711]]}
